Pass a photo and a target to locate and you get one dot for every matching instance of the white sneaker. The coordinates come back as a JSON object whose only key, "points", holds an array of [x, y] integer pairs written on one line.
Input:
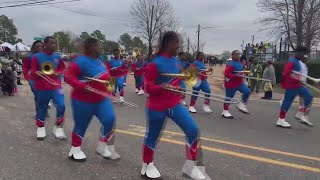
{"points": [[121, 99], [103, 150], [192, 109], [304, 119], [77, 155], [226, 114], [183, 102], [242, 107], [49, 105], [137, 90], [41, 133], [283, 123], [207, 109], [141, 92], [203, 170], [150, 171], [190, 170], [124, 84], [58, 133], [114, 154], [298, 115]]}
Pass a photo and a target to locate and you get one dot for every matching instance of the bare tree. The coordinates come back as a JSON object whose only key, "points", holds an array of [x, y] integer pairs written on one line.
{"points": [[150, 17], [297, 20]]}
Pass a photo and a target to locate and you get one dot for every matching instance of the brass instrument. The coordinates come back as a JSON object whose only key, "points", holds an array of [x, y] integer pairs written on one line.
{"points": [[191, 76], [109, 84], [244, 72], [254, 78], [47, 69], [109, 87], [308, 77]]}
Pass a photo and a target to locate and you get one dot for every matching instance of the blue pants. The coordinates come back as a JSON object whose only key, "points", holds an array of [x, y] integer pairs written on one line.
{"points": [[82, 115], [156, 122], [230, 92], [42, 100], [119, 86], [138, 81], [290, 94], [204, 87]]}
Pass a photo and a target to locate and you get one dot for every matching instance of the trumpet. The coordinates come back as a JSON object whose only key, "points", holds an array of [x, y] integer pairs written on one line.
{"points": [[47, 69], [109, 84], [190, 76]]}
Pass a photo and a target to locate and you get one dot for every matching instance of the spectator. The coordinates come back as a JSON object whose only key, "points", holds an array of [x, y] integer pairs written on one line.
{"points": [[18, 67], [7, 83], [256, 70], [269, 73]]}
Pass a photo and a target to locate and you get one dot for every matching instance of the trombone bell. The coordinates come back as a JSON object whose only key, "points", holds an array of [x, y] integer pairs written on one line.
{"points": [[109, 84], [189, 75], [47, 68]]}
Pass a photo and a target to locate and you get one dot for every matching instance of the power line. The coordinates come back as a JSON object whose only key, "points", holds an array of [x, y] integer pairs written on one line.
{"points": [[90, 14], [45, 2], [10, 2]]}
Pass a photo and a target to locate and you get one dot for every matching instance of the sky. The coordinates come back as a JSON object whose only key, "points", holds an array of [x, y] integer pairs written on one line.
{"points": [[232, 21]]}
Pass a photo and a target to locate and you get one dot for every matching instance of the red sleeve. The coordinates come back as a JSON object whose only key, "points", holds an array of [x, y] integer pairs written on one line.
{"points": [[287, 70], [34, 67], [25, 68], [61, 67], [133, 67], [71, 76], [228, 72], [150, 78], [108, 66]]}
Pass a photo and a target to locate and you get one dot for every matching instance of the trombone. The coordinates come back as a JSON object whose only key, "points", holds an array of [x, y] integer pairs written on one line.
{"points": [[47, 69], [310, 78], [190, 76], [109, 87]]}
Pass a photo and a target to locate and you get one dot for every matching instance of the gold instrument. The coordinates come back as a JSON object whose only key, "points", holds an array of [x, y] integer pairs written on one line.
{"points": [[254, 78], [109, 87], [109, 84], [191, 75], [47, 69], [244, 72]]}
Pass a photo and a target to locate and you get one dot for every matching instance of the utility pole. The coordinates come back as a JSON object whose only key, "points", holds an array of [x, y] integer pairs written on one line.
{"points": [[280, 49], [198, 38], [150, 35], [252, 39], [188, 45]]}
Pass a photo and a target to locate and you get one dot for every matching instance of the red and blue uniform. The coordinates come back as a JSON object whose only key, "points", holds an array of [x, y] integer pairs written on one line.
{"points": [[119, 70], [46, 91], [293, 87], [234, 82], [86, 104], [202, 83], [163, 103], [26, 69], [138, 69]]}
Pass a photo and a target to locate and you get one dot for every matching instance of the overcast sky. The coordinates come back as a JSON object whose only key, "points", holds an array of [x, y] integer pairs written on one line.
{"points": [[232, 21]]}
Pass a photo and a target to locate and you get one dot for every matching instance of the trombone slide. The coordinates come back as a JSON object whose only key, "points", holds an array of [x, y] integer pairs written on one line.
{"points": [[308, 77]]}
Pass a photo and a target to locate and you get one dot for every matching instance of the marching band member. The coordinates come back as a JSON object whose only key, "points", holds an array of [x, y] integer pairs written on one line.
{"points": [[183, 66], [46, 91], [138, 68], [115, 66], [163, 103], [233, 83], [86, 104], [293, 87], [202, 85]]}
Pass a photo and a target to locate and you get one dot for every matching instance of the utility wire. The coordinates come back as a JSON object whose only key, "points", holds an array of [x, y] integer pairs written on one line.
{"points": [[11, 2], [45, 2]]}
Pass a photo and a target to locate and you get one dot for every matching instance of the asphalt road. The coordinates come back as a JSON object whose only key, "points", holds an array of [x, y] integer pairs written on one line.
{"points": [[247, 147]]}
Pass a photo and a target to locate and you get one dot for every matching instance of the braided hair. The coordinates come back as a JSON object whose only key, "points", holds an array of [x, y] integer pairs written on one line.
{"points": [[167, 38]]}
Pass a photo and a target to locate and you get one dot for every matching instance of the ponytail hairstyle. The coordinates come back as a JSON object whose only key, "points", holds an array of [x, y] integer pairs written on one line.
{"points": [[167, 38], [198, 55]]}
